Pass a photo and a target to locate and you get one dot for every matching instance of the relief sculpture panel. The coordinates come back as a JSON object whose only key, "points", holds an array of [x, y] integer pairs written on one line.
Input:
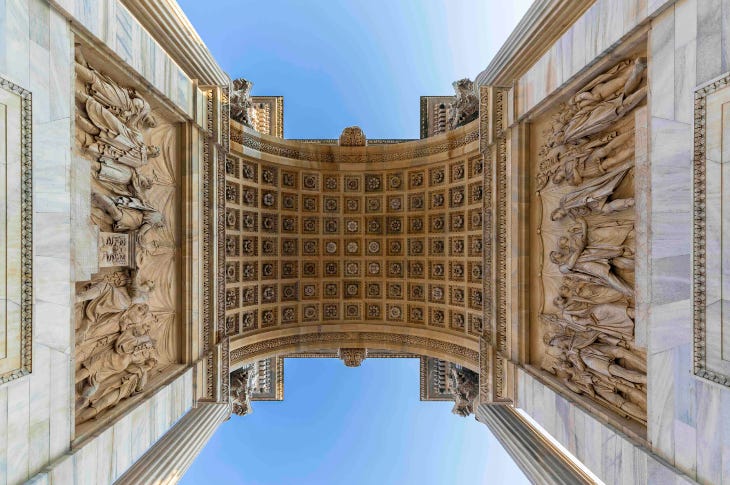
{"points": [[585, 221], [126, 316]]}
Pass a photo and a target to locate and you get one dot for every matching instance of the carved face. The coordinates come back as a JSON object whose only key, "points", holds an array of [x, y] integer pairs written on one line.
{"points": [[138, 311]]}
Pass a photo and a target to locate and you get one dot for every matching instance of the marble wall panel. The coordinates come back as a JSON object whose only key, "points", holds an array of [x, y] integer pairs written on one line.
{"points": [[609, 455], [35, 410], [686, 414], [599, 29], [115, 27], [105, 457]]}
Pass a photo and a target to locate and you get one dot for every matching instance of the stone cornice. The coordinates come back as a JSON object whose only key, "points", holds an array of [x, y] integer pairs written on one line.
{"points": [[543, 24], [169, 26], [246, 139]]}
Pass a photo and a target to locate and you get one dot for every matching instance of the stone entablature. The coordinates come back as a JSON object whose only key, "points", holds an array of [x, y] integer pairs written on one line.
{"points": [[381, 157]]}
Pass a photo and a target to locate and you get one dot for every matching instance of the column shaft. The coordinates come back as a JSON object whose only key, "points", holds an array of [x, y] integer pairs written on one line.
{"points": [[541, 462], [168, 459]]}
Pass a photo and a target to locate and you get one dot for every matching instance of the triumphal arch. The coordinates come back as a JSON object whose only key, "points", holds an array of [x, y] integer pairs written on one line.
{"points": [[551, 248]]}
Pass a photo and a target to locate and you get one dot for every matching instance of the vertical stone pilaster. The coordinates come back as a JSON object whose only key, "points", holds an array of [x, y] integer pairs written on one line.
{"points": [[493, 148], [541, 462], [168, 459]]}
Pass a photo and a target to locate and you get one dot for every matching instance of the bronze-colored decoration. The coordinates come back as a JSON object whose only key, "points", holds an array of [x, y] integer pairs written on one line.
{"points": [[585, 185]]}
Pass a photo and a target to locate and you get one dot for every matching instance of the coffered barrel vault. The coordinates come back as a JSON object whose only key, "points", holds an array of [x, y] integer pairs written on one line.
{"points": [[334, 246]]}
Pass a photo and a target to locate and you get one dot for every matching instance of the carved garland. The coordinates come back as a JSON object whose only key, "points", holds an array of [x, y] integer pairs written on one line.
{"points": [[26, 231], [700, 233], [367, 339]]}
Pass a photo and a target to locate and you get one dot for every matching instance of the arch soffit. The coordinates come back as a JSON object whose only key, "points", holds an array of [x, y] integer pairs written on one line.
{"points": [[432, 343]]}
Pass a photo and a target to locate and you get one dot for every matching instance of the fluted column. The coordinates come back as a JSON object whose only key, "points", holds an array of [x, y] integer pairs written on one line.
{"points": [[541, 462], [168, 459]]}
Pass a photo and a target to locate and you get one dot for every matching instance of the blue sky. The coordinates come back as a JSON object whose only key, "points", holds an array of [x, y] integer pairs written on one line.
{"points": [[355, 426], [342, 63], [354, 62]]}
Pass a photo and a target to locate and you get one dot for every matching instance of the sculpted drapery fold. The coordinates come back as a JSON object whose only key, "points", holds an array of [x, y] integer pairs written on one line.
{"points": [[585, 188], [126, 315]]}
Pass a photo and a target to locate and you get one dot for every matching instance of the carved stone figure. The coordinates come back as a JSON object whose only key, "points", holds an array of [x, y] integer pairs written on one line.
{"points": [[124, 331], [465, 389], [242, 384], [591, 256], [593, 197], [132, 381], [112, 306], [465, 107], [588, 157], [240, 100], [129, 214], [556, 324], [111, 122], [583, 352], [575, 163], [611, 390], [615, 319], [604, 100], [580, 291], [128, 349]]}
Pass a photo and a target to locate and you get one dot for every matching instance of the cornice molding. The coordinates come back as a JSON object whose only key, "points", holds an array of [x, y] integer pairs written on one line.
{"points": [[307, 151], [543, 23], [168, 25]]}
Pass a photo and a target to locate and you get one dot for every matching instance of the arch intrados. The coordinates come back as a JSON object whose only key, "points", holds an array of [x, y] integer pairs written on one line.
{"points": [[457, 349]]}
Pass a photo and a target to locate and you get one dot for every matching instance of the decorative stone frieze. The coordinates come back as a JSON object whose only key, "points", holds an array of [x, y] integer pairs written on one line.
{"points": [[16, 239], [585, 229]]}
